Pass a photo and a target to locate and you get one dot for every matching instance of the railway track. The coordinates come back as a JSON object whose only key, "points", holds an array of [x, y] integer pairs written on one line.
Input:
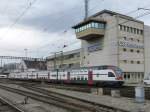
{"points": [[96, 107], [62, 101], [6, 106], [125, 91]]}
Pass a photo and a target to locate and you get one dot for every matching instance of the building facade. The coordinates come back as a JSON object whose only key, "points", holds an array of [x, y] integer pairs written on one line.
{"points": [[147, 50], [110, 38], [25, 66], [64, 60], [32, 65]]}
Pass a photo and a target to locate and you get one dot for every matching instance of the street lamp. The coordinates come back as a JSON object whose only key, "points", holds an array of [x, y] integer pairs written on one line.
{"points": [[55, 57], [26, 51]]}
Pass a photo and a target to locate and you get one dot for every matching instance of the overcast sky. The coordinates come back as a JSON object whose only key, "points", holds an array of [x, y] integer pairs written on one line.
{"points": [[46, 26]]}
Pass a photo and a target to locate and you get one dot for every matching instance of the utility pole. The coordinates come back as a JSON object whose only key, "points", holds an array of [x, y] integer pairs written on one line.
{"points": [[86, 8], [26, 52], [55, 61], [1, 63], [61, 58]]}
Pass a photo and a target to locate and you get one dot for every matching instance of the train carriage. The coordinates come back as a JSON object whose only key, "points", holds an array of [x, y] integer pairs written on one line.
{"points": [[79, 76], [3, 76], [42, 75], [100, 75]]}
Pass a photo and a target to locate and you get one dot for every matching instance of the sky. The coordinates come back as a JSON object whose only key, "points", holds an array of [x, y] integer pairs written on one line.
{"points": [[44, 26]]}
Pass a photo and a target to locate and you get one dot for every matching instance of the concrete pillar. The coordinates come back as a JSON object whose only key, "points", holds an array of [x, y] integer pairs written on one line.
{"points": [[97, 91], [100, 91], [115, 93], [139, 94]]}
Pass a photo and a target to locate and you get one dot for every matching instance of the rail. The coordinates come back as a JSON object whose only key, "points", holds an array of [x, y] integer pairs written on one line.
{"points": [[11, 105], [62, 96], [63, 102]]}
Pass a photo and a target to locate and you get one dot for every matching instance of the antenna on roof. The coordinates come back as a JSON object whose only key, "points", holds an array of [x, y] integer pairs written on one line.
{"points": [[86, 8]]}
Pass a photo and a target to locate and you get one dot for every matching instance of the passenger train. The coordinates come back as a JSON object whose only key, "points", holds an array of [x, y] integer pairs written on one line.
{"points": [[3, 76], [99, 75]]}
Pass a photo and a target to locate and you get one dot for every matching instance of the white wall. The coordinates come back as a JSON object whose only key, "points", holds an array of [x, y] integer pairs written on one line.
{"points": [[147, 49], [108, 55]]}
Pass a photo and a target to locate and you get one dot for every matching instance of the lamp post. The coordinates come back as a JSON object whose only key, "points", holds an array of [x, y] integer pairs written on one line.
{"points": [[26, 52], [55, 59]]}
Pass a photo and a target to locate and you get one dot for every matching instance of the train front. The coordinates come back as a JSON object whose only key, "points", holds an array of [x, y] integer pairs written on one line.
{"points": [[118, 75]]}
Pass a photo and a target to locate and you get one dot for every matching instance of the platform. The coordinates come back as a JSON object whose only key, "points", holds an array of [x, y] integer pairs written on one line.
{"points": [[123, 103]]}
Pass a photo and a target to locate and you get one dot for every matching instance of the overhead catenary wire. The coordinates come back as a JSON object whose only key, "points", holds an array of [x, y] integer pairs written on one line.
{"points": [[19, 17], [59, 20], [133, 11], [136, 17], [77, 42], [26, 11], [22, 14], [128, 13], [70, 44], [142, 15]]}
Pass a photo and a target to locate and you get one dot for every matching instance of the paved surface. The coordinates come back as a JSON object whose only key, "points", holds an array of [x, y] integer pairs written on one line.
{"points": [[121, 103]]}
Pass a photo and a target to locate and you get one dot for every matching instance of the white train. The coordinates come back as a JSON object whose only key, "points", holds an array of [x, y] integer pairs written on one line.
{"points": [[3, 76], [102, 75]]}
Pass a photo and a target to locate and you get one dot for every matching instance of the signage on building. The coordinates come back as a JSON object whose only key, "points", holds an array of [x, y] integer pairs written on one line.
{"points": [[94, 47], [130, 45]]}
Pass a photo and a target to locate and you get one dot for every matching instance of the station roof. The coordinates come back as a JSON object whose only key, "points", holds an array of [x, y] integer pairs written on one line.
{"points": [[92, 18], [88, 20], [65, 53], [34, 64]]}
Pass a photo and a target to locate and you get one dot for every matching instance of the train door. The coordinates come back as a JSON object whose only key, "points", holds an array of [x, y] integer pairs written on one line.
{"points": [[90, 77], [27, 75], [68, 77], [37, 76], [48, 75], [57, 76]]}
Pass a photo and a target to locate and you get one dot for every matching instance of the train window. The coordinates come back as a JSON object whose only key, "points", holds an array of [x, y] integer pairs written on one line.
{"points": [[97, 75], [103, 74], [78, 78], [128, 76], [82, 78], [53, 75], [110, 74], [125, 76]]}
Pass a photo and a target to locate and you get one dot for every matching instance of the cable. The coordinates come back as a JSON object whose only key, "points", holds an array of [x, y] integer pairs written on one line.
{"points": [[61, 21], [20, 16], [142, 15], [62, 32]]}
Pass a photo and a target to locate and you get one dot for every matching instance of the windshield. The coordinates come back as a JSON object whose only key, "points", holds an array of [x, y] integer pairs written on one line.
{"points": [[118, 71]]}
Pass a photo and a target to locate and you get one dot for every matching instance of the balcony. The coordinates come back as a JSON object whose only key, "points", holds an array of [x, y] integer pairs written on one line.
{"points": [[90, 29], [90, 33]]}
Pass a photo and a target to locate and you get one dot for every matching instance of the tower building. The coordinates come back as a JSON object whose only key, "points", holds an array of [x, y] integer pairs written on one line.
{"points": [[110, 38]]}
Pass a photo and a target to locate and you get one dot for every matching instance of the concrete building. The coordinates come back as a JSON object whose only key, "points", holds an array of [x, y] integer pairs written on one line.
{"points": [[64, 60], [32, 65], [25, 66], [110, 38], [11, 67], [147, 50]]}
